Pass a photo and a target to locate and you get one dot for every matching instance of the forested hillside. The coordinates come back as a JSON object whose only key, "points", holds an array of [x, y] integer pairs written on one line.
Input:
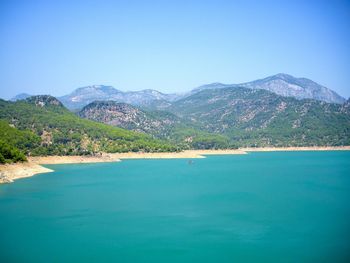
{"points": [[14, 144], [225, 117], [53, 130], [156, 123], [159, 124], [261, 118], [230, 117]]}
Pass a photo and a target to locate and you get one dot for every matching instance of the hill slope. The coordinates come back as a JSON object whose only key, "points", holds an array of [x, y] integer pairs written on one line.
{"points": [[258, 117], [159, 124], [130, 117], [62, 132], [14, 144]]}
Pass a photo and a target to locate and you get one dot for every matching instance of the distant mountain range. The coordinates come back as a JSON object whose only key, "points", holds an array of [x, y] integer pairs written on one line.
{"points": [[281, 84], [85, 95], [287, 86], [276, 111], [239, 116]]}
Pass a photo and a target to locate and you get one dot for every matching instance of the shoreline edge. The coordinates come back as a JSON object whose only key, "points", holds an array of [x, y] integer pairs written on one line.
{"points": [[11, 172]]}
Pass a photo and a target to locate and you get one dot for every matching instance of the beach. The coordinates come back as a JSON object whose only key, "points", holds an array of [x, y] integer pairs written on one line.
{"points": [[11, 172]]}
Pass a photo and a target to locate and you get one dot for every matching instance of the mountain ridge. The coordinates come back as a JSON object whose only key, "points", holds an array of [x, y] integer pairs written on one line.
{"points": [[281, 84], [85, 95], [258, 117], [286, 85], [219, 118], [243, 117]]}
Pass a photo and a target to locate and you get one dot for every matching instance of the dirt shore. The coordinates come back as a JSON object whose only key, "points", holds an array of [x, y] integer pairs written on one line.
{"points": [[11, 172]]}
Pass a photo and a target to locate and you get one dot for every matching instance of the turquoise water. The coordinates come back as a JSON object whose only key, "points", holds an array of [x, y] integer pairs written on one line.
{"points": [[260, 207]]}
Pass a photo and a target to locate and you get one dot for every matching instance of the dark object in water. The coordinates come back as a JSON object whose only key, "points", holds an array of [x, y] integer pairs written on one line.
{"points": [[190, 162]]}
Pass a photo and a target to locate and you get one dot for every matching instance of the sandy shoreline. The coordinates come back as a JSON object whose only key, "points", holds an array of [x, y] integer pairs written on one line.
{"points": [[11, 172]]}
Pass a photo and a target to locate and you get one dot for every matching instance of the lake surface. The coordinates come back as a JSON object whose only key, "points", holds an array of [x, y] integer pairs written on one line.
{"points": [[260, 207]]}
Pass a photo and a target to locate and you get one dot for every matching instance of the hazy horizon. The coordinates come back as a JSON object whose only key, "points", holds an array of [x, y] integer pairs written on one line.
{"points": [[54, 48]]}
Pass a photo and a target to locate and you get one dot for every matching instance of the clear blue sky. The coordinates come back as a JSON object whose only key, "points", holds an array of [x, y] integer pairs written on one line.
{"points": [[53, 47]]}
